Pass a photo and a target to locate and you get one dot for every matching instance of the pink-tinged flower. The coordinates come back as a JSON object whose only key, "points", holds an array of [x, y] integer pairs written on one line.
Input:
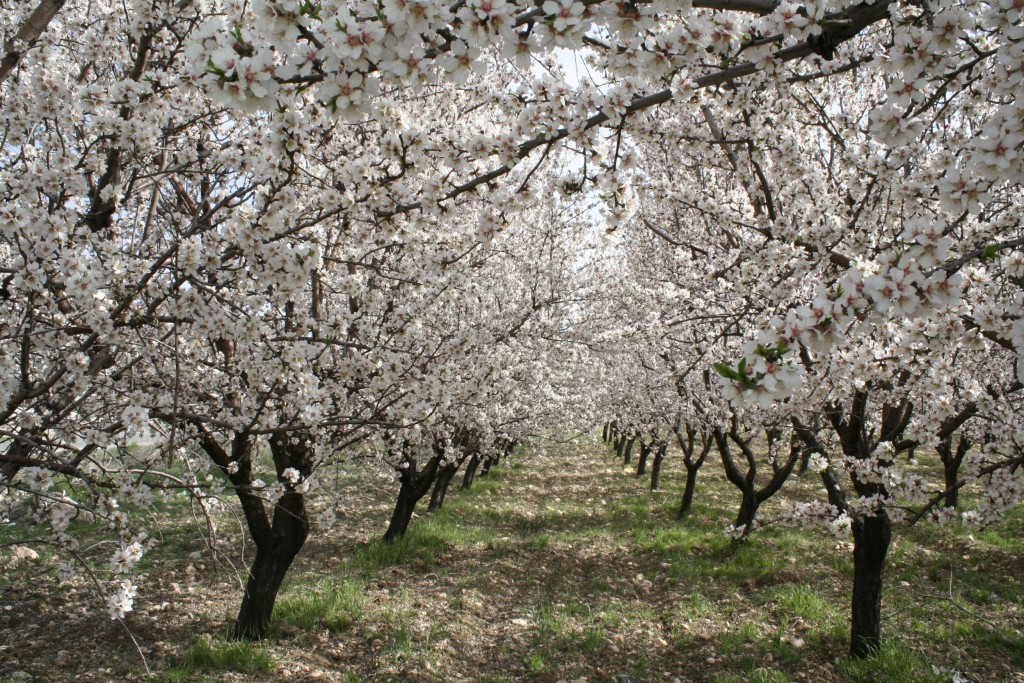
{"points": [[789, 17], [488, 9], [960, 192], [567, 14], [997, 151]]}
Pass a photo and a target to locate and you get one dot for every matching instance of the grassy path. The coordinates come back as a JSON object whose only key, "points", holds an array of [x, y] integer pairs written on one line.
{"points": [[561, 566]]}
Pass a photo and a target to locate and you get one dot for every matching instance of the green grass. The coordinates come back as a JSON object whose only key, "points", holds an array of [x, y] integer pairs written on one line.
{"points": [[803, 601], [893, 663], [334, 606], [216, 655], [593, 639], [419, 545], [534, 664], [612, 583]]}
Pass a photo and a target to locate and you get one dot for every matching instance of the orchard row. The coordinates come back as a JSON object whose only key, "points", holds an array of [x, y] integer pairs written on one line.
{"points": [[405, 231]]}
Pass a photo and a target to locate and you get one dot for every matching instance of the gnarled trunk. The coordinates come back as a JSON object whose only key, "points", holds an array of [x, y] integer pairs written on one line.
{"points": [[278, 539], [273, 559], [746, 482], [413, 486]]}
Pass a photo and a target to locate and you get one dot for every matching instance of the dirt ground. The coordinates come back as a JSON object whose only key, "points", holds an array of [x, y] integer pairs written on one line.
{"points": [[560, 568]]}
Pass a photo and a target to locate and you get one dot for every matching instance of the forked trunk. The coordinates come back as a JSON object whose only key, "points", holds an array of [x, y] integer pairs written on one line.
{"points": [[278, 536], [265, 576]]}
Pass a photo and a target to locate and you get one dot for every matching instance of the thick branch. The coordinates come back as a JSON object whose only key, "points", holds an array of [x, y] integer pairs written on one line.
{"points": [[27, 35]]}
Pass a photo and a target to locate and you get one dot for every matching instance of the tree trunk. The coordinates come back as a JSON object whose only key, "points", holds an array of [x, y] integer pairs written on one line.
{"points": [[414, 485], [641, 464], [488, 462], [691, 484], [951, 470], [805, 461], [748, 509], [265, 576], [444, 479], [627, 451], [834, 489], [471, 467], [659, 457], [871, 537], [402, 515], [951, 467], [278, 543]]}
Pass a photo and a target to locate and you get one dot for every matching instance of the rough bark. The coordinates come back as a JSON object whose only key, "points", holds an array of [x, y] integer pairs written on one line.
{"points": [[470, 474], [659, 457], [951, 461], [441, 484], [872, 536], [413, 485], [265, 577], [277, 542], [641, 464], [692, 461]]}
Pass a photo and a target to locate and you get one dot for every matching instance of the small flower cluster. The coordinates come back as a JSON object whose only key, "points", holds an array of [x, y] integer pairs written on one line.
{"points": [[122, 599]]}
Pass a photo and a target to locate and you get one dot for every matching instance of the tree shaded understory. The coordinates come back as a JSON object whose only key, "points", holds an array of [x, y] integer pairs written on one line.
{"points": [[554, 568]]}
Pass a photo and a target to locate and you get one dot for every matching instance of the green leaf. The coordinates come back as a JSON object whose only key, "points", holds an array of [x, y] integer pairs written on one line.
{"points": [[991, 251], [725, 370]]}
